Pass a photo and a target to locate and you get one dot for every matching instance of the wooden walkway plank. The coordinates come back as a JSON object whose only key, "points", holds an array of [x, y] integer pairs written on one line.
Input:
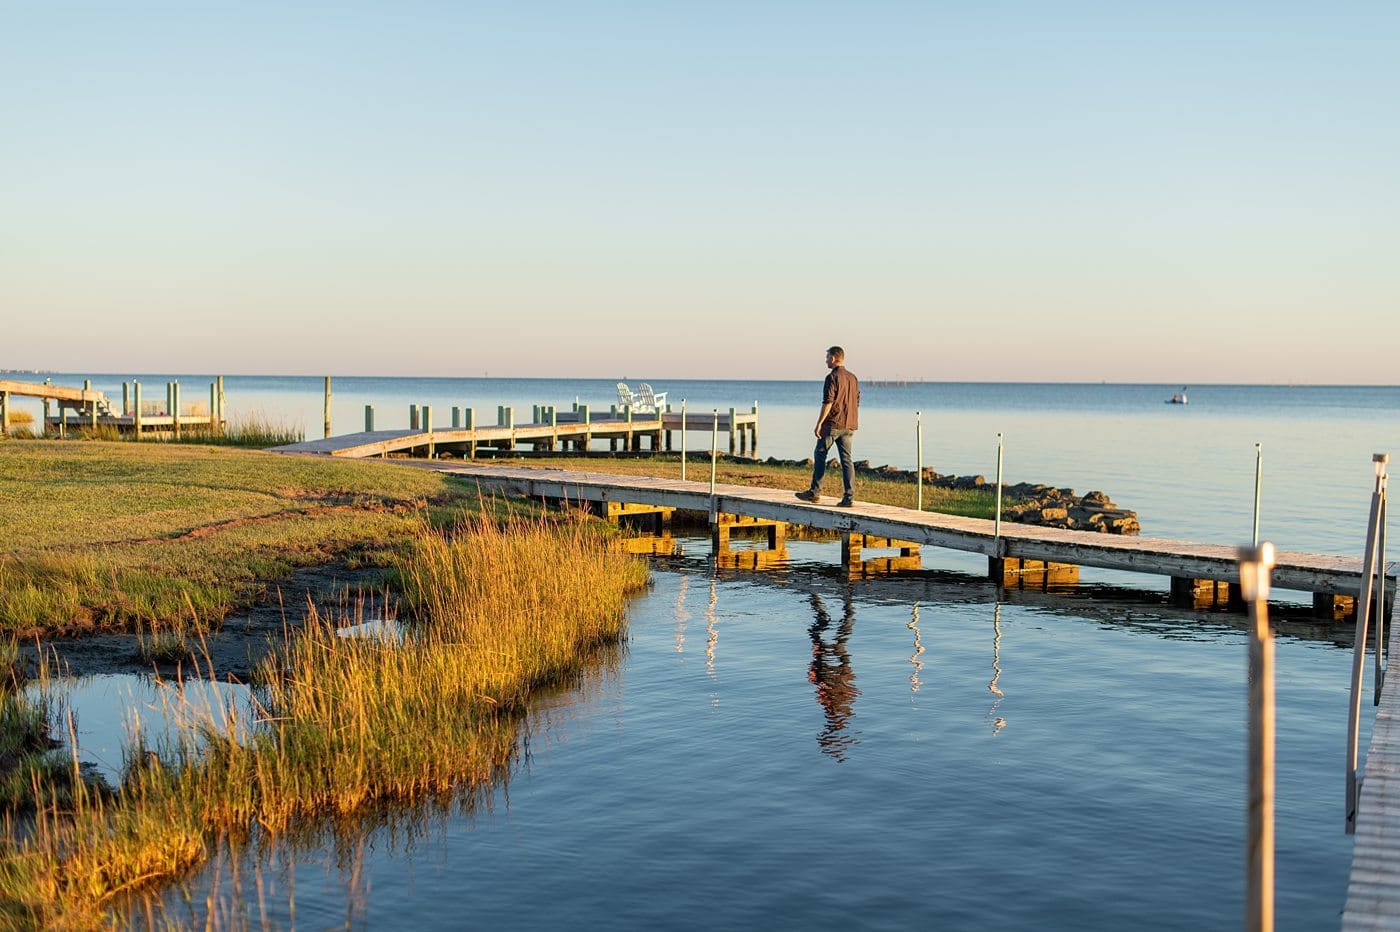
{"points": [[1373, 893]]}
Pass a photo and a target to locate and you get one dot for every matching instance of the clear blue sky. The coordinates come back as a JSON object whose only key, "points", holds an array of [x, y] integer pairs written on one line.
{"points": [[1177, 192]]}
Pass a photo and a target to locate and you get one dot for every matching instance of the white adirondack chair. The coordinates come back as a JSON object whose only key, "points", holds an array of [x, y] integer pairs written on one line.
{"points": [[648, 400], [625, 398]]}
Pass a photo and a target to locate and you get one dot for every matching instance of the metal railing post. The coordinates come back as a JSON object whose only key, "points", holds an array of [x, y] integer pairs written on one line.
{"points": [[1255, 563], [918, 461], [714, 453], [1369, 568], [996, 526], [1258, 475]]}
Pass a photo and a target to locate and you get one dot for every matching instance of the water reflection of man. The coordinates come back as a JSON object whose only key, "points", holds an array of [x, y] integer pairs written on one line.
{"points": [[832, 675]]}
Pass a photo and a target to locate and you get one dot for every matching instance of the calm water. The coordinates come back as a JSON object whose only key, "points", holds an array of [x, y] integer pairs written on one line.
{"points": [[791, 750]]}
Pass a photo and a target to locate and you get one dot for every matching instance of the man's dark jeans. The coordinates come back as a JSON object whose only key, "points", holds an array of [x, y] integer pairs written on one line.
{"points": [[842, 440]]}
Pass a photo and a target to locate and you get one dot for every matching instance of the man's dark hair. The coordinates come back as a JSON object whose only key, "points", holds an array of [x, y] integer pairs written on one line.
{"points": [[836, 353]]}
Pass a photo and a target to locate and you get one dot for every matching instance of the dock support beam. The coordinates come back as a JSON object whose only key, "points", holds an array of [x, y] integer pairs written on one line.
{"points": [[775, 533], [1205, 593], [1016, 573]]}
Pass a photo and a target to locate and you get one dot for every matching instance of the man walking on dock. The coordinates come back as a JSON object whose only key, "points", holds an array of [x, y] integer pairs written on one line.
{"points": [[836, 425]]}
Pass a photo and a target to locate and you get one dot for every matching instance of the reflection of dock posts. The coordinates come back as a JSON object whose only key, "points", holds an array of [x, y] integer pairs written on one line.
{"points": [[653, 521], [1205, 593], [775, 533], [1018, 573], [1330, 606], [852, 545], [469, 425]]}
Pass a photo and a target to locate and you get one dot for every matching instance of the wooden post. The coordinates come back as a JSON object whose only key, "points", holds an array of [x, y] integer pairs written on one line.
{"points": [[213, 407], [732, 426], [412, 417], [175, 407], [428, 429], [369, 418], [1255, 563], [219, 380], [136, 410], [585, 418], [328, 406], [126, 399], [456, 417], [753, 431], [91, 404], [469, 423], [4, 414]]}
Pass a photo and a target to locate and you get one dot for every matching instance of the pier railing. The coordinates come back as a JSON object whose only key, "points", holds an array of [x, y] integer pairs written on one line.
{"points": [[1370, 603]]}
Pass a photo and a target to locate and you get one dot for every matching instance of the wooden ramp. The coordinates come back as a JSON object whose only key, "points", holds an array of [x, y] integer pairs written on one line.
{"points": [[1321, 574], [562, 429]]}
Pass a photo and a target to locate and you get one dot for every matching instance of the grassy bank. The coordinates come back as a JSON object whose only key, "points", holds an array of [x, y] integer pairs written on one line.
{"points": [[347, 724], [96, 534], [171, 537]]}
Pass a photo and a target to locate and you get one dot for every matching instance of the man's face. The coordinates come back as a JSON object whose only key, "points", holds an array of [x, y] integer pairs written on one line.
{"points": [[830, 361]]}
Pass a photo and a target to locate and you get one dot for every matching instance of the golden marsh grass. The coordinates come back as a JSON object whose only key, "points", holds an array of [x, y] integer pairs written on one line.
{"points": [[496, 608]]}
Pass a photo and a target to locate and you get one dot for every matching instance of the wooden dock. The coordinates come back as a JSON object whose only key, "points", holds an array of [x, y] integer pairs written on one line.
{"points": [[1373, 892], [90, 404], [549, 429], [91, 409], [1017, 553]]}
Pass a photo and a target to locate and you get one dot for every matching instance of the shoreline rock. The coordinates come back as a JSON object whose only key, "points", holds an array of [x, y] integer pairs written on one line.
{"points": [[1022, 503]]}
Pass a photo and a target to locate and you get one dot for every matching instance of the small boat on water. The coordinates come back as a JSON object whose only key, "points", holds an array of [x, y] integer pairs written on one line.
{"points": [[1179, 398]]}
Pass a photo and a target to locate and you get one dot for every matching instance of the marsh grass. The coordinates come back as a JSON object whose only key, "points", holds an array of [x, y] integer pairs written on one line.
{"points": [[253, 429], [496, 607]]}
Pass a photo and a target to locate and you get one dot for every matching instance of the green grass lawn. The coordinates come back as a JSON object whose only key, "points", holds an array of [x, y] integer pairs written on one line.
{"points": [[118, 534]]}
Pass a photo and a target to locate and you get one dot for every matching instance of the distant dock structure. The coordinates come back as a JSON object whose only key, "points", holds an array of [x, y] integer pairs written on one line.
{"points": [[83, 408], [550, 428]]}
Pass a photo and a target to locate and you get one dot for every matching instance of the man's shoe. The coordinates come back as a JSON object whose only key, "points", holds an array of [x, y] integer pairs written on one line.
{"points": [[845, 503], [809, 496]]}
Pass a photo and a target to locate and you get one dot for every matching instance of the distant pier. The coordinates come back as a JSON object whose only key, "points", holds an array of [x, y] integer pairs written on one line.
{"points": [[549, 429]]}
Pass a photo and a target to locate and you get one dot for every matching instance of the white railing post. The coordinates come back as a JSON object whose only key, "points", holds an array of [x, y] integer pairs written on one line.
{"points": [[918, 461], [996, 526], [1258, 475]]}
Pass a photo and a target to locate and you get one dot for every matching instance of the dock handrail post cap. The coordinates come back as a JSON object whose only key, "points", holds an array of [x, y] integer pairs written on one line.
{"points": [[1380, 457], [1256, 560]]}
